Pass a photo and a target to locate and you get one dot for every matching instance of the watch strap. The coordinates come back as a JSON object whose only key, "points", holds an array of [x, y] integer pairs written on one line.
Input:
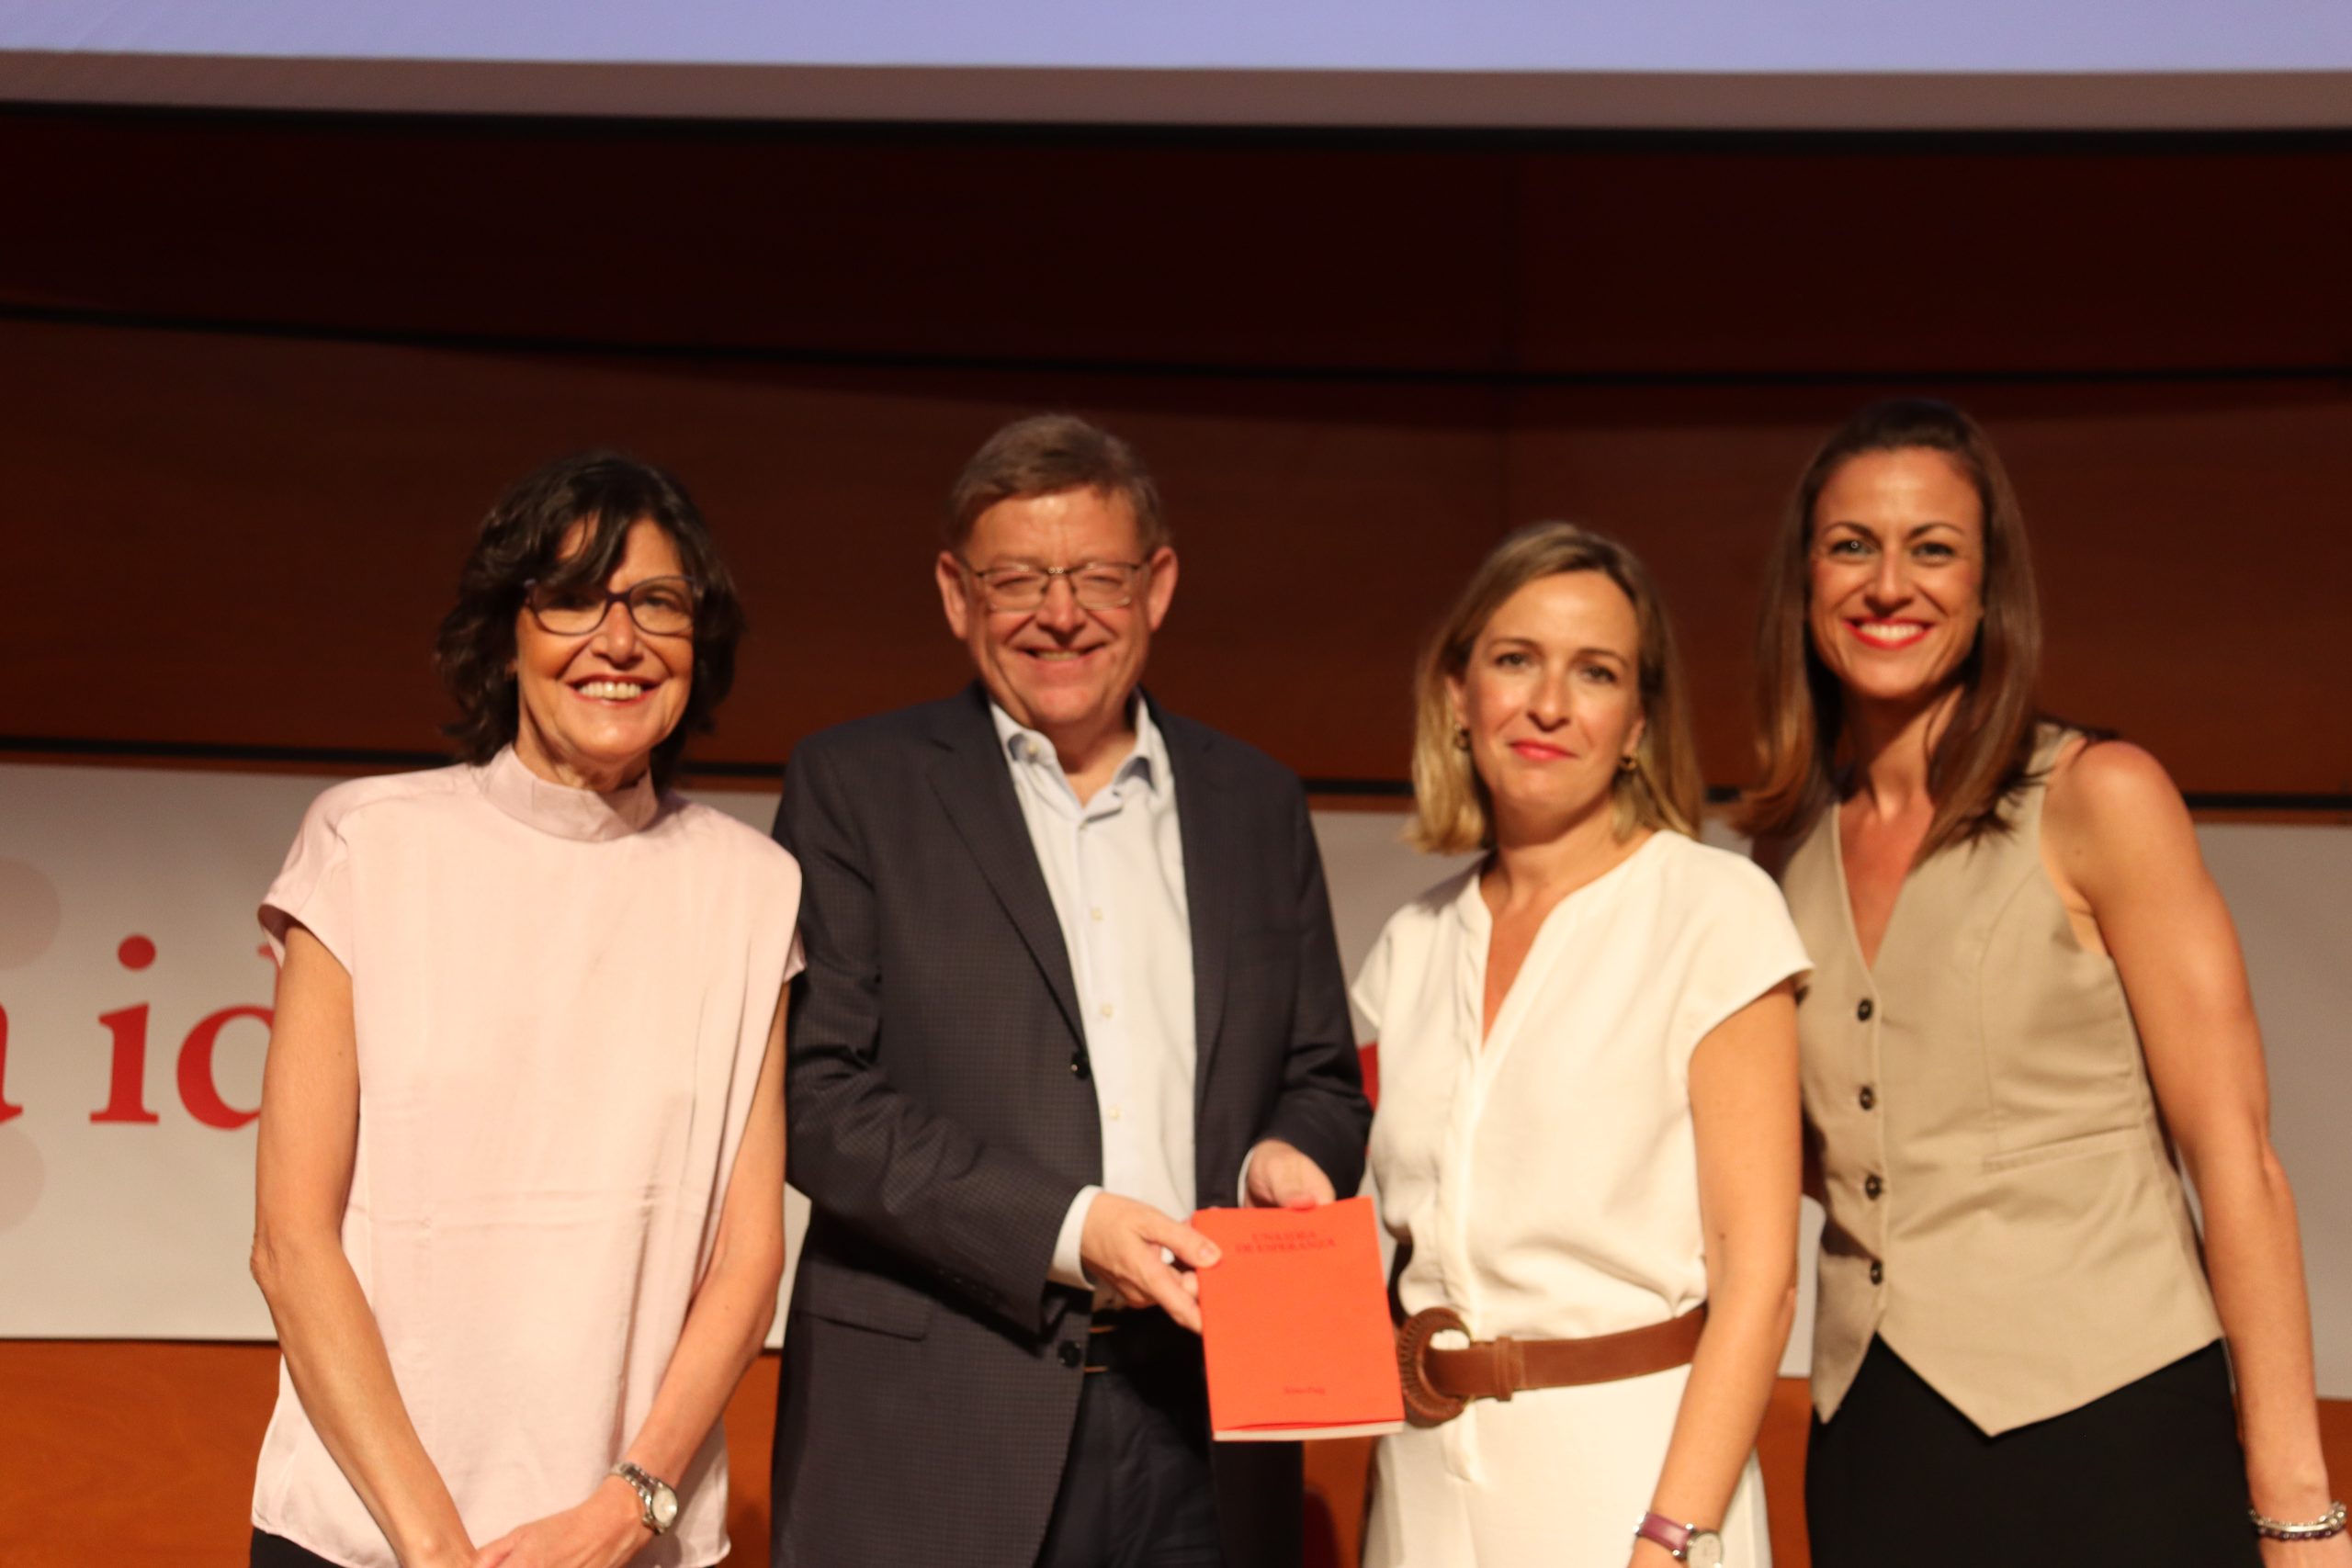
{"points": [[648, 1488], [1669, 1533]]}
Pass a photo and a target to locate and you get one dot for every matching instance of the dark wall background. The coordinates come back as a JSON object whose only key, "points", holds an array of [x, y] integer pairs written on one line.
{"points": [[264, 373]]}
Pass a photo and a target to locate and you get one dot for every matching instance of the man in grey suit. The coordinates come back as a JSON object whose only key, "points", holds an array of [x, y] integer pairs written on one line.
{"points": [[1071, 975]]}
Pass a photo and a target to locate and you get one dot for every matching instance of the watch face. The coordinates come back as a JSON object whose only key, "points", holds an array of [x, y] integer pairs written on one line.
{"points": [[1704, 1550], [665, 1507]]}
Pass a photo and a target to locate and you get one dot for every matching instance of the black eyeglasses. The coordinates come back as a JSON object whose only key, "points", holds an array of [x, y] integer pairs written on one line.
{"points": [[661, 606], [1098, 585]]}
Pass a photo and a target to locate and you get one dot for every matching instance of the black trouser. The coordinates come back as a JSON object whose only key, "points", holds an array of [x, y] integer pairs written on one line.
{"points": [[1136, 1490], [276, 1551], [2150, 1475]]}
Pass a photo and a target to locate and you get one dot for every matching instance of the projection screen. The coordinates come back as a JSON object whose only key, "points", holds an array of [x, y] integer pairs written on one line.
{"points": [[1686, 64]]}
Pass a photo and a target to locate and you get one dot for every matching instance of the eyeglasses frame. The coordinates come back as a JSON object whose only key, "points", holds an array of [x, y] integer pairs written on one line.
{"points": [[1134, 569], [621, 597]]}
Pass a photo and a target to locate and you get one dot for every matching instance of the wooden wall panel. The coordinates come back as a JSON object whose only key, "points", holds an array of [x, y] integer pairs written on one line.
{"points": [[146, 1458], [909, 242], [1902, 259], [1433, 253], [289, 520], [254, 538], [1355, 359], [146, 1452]]}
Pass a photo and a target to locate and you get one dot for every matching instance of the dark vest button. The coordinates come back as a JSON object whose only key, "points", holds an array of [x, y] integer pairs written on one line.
{"points": [[1862, 1009], [1873, 1187], [1072, 1353], [1867, 1098], [1077, 1064], [1878, 1272]]}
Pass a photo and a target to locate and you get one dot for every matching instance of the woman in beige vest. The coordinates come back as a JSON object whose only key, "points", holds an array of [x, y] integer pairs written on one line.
{"points": [[2024, 981]]}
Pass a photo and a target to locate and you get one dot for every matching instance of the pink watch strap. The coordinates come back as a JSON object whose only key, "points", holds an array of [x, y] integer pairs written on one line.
{"points": [[1665, 1531]]}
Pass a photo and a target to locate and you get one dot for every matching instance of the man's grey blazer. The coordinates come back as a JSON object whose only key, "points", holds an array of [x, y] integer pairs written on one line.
{"points": [[943, 1118]]}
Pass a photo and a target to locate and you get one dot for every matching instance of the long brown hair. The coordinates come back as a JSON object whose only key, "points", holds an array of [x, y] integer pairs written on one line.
{"points": [[1985, 753], [1452, 813]]}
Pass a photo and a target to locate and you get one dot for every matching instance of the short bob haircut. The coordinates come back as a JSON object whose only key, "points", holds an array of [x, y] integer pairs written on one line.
{"points": [[522, 540], [1451, 810], [1045, 455], [1986, 751]]}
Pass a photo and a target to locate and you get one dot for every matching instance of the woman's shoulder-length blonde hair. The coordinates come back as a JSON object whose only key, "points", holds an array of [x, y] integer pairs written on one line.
{"points": [[1452, 812], [1985, 753]]}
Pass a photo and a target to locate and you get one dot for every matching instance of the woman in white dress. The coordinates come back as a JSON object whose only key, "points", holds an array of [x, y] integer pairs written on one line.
{"points": [[1589, 1124]]}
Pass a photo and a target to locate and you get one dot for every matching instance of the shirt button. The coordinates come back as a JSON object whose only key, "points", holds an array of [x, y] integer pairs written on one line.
{"points": [[1868, 1099], [1114, 1114], [1071, 1354], [1108, 1009], [1095, 912], [1862, 1009], [1871, 1189], [1878, 1272]]}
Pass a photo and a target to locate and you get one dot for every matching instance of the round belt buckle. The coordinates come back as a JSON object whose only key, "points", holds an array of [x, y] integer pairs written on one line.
{"points": [[1424, 1405]]}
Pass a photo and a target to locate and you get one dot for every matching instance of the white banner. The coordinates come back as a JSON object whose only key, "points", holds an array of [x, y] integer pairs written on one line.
{"points": [[134, 1010]]}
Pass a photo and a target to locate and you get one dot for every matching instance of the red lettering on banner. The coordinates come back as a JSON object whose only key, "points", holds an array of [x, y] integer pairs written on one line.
{"points": [[7, 1111], [198, 1091], [126, 1096], [127, 1089]]}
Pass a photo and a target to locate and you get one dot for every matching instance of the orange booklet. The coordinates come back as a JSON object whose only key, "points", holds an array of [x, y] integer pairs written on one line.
{"points": [[1295, 1324]]}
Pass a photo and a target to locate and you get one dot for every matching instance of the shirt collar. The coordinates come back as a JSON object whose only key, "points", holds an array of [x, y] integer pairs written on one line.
{"points": [[568, 813], [1148, 760]]}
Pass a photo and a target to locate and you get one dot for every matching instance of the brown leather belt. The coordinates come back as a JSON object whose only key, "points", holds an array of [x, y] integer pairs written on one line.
{"points": [[1440, 1384]]}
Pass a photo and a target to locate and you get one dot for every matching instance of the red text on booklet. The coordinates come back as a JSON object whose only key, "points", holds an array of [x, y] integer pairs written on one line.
{"points": [[1295, 1324]]}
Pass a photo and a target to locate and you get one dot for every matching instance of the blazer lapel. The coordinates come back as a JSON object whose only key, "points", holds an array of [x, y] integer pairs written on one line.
{"points": [[1211, 880], [976, 787]]}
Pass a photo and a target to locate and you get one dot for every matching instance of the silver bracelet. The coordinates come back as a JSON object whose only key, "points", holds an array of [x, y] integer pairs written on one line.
{"points": [[2327, 1524]]}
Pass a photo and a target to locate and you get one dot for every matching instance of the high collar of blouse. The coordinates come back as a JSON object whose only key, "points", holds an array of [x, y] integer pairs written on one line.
{"points": [[584, 813]]}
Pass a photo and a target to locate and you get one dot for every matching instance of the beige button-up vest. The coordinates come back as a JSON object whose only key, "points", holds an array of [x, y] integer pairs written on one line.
{"points": [[2003, 1206]]}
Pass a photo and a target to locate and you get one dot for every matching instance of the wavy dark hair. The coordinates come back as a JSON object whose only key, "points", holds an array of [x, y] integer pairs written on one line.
{"points": [[522, 540], [1984, 754]]}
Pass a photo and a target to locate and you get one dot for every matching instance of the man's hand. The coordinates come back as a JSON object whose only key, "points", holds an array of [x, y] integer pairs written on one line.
{"points": [[1121, 1245], [1283, 1178]]}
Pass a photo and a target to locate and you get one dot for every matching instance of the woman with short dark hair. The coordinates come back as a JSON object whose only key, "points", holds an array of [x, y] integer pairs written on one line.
{"points": [[2026, 994], [519, 1209]]}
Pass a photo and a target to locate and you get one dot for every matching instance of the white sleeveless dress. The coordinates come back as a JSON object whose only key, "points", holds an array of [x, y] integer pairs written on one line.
{"points": [[1548, 1185]]}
